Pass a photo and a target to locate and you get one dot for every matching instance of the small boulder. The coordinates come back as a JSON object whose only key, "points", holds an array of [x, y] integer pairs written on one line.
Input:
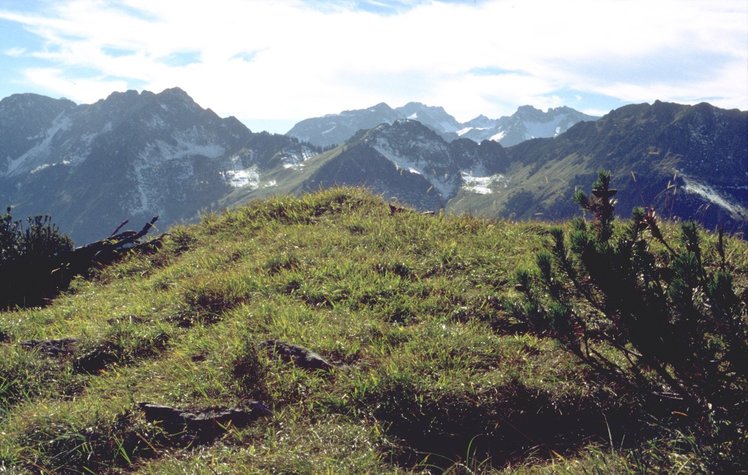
{"points": [[203, 424], [298, 355]]}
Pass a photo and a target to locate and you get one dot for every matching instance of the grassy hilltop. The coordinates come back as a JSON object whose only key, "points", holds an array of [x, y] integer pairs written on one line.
{"points": [[431, 368]]}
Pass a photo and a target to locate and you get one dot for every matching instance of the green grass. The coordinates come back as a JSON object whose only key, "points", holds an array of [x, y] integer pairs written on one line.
{"points": [[432, 371]]}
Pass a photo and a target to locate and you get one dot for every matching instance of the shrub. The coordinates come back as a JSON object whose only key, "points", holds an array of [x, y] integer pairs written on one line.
{"points": [[30, 256], [667, 324]]}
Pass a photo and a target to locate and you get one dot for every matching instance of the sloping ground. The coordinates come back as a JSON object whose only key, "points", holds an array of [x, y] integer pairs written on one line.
{"points": [[429, 370]]}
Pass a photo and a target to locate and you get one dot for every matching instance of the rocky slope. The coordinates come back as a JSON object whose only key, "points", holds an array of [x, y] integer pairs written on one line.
{"points": [[686, 161], [130, 156], [404, 161], [133, 156], [525, 124]]}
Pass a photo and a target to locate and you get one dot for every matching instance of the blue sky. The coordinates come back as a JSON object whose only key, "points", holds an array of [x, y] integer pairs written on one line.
{"points": [[272, 63]]}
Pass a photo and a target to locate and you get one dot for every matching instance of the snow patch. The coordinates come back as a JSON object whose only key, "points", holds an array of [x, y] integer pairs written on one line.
{"points": [[294, 160], [709, 194], [239, 178], [48, 165], [482, 185], [146, 167], [186, 146], [462, 132], [40, 168], [550, 128], [39, 153], [444, 184], [413, 116], [247, 178], [498, 136]]}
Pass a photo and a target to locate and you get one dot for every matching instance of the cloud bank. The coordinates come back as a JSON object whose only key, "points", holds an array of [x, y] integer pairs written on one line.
{"points": [[287, 60]]}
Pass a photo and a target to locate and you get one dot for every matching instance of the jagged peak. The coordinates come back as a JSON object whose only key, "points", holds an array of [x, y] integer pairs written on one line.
{"points": [[528, 108], [174, 91], [421, 105], [24, 100], [382, 106]]}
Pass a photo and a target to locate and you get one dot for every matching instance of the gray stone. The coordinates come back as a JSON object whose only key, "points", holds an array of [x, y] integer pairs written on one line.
{"points": [[298, 355], [203, 424]]}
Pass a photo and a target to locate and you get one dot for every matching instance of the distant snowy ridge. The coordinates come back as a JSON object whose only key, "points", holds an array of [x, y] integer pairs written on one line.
{"points": [[526, 123]]}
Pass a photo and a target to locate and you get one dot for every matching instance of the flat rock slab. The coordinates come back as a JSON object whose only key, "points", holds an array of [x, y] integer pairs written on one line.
{"points": [[61, 347], [298, 355], [204, 424]]}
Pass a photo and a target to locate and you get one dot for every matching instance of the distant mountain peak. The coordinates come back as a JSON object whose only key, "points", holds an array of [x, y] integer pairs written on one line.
{"points": [[335, 129], [528, 109], [174, 91]]}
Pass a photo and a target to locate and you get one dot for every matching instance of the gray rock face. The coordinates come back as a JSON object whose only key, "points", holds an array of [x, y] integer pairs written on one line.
{"points": [[688, 162], [525, 124], [130, 156], [411, 163], [298, 355], [335, 129]]}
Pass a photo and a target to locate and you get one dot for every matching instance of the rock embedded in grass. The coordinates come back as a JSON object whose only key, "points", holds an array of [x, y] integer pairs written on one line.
{"points": [[296, 354], [205, 424]]}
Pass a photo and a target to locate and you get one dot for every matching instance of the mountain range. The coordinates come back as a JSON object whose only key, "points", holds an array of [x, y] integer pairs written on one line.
{"points": [[129, 156], [135, 155], [527, 123]]}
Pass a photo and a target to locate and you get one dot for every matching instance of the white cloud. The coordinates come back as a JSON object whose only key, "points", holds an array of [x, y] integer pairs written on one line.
{"points": [[88, 89], [15, 52], [290, 59]]}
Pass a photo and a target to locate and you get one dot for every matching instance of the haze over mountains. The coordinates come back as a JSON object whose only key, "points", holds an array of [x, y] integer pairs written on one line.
{"points": [[527, 123], [136, 155]]}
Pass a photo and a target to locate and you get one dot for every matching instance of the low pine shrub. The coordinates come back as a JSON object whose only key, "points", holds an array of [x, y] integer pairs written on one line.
{"points": [[659, 318], [30, 255]]}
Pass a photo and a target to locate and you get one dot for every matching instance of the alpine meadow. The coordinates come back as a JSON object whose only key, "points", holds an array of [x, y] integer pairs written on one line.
{"points": [[426, 237], [333, 332]]}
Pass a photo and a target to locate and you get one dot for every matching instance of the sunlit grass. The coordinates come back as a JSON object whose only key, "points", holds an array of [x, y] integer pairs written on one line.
{"points": [[430, 366]]}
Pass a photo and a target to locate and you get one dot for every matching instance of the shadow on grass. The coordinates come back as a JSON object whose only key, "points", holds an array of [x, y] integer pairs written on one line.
{"points": [[437, 430]]}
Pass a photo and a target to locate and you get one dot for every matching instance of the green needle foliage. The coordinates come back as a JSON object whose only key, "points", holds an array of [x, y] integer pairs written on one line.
{"points": [[662, 320], [28, 255]]}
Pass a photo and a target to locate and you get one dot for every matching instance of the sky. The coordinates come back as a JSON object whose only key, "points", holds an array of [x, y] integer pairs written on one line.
{"points": [[272, 63]]}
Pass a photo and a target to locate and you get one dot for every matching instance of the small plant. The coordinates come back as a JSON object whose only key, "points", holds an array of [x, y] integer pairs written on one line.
{"points": [[663, 323], [249, 370]]}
